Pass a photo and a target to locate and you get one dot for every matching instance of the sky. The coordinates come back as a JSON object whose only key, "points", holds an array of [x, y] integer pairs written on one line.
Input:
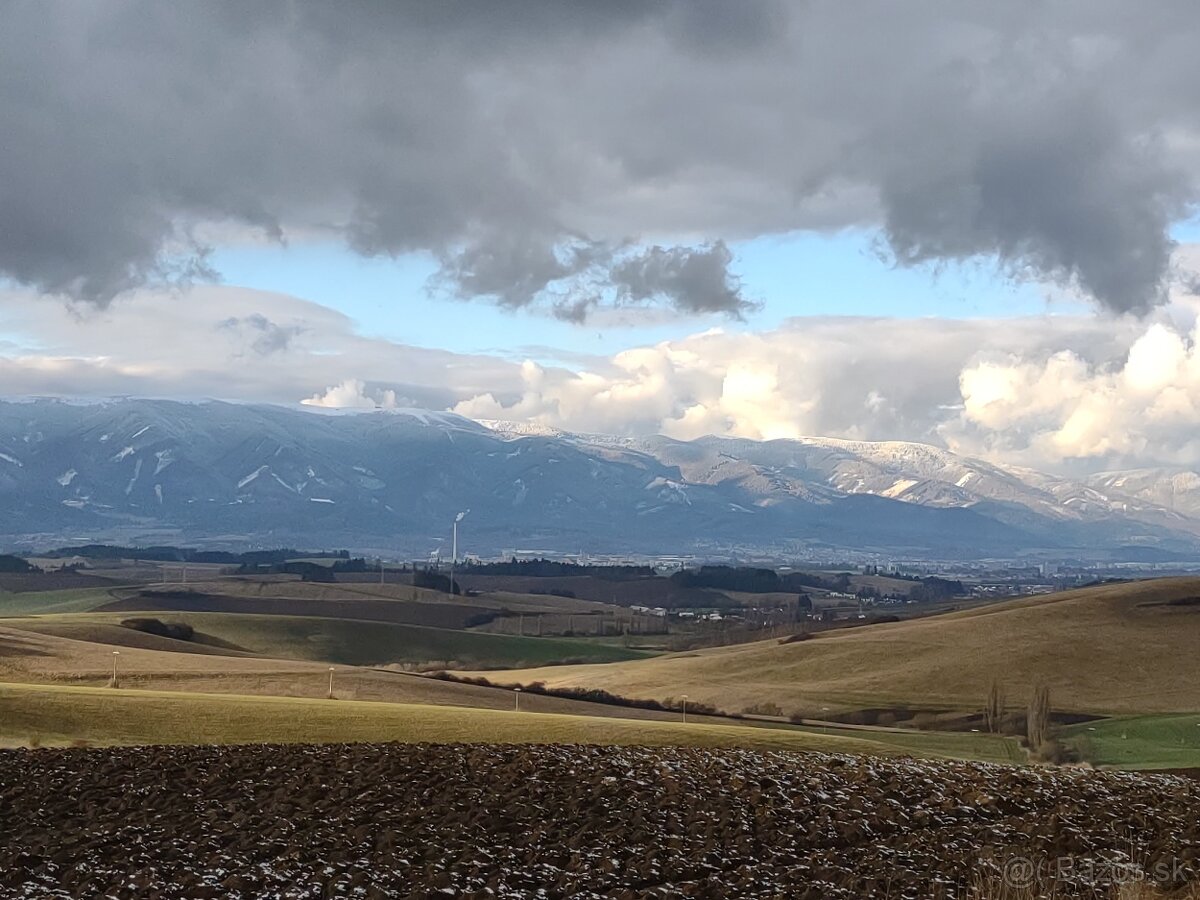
{"points": [[962, 223]]}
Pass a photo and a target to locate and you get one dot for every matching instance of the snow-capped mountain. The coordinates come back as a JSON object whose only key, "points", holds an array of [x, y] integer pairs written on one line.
{"points": [[216, 473], [1175, 489]]}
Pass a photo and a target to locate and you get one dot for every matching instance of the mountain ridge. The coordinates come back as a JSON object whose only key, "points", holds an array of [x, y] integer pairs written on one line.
{"points": [[235, 474]]}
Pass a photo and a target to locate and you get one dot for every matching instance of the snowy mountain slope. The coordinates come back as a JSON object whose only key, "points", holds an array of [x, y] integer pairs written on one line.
{"points": [[819, 469], [1177, 490], [223, 473]]}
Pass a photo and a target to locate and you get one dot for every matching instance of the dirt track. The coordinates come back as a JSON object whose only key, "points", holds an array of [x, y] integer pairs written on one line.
{"points": [[503, 821]]}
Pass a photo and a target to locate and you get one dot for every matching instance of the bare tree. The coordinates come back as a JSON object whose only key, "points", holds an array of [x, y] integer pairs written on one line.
{"points": [[1037, 726], [993, 712]]}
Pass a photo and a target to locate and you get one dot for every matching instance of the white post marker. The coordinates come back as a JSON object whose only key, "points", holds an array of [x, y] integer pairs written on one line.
{"points": [[824, 720], [330, 697], [685, 709], [116, 655], [516, 699]]}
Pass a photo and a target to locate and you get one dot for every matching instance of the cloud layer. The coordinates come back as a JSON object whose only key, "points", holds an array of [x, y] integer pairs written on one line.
{"points": [[527, 144], [1070, 393]]}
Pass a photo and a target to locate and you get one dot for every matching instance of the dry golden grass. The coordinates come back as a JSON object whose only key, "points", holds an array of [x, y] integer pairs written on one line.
{"points": [[40, 660], [59, 715], [29, 657], [1115, 649]]}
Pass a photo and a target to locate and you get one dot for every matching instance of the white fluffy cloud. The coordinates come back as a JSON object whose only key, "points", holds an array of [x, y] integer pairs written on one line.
{"points": [[1052, 392], [354, 394], [854, 378], [1070, 392], [1145, 408]]}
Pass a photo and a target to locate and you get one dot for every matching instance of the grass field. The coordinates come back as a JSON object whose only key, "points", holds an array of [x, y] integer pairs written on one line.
{"points": [[158, 664], [32, 662], [66, 601], [342, 641], [1100, 650], [949, 744], [1139, 742], [1119, 649], [53, 714]]}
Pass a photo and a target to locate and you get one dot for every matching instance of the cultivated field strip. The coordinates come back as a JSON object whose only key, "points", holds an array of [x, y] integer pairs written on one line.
{"points": [[558, 821]]}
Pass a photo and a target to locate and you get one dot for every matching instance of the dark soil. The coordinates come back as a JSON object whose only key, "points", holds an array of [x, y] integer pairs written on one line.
{"points": [[379, 821], [436, 615], [51, 581]]}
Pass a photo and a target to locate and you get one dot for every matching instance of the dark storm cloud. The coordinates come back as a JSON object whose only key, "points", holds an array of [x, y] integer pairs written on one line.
{"points": [[578, 276], [513, 269], [692, 279], [1058, 139]]}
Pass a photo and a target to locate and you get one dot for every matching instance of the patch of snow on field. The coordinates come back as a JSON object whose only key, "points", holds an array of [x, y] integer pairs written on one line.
{"points": [[66, 477], [9, 459]]}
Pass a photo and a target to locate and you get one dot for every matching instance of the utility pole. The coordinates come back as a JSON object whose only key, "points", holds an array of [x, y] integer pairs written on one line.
{"points": [[115, 680], [330, 695], [684, 709], [516, 699]]}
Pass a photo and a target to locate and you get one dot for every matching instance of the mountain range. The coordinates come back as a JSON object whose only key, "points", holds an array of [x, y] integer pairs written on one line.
{"points": [[228, 475]]}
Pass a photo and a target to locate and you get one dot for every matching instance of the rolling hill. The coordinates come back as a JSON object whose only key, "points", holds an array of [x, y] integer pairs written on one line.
{"points": [[53, 689], [1126, 648], [345, 641], [58, 714]]}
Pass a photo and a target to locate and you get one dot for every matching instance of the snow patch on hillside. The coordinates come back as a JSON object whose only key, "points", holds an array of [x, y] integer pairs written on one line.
{"points": [[137, 472], [253, 475]]}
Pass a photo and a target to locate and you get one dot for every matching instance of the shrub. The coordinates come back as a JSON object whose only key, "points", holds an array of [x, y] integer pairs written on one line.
{"points": [[1054, 751], [179, 631], [925, 721], [794, 638], [763, 709], [864, 717], [425, 578], [589, 695]]}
